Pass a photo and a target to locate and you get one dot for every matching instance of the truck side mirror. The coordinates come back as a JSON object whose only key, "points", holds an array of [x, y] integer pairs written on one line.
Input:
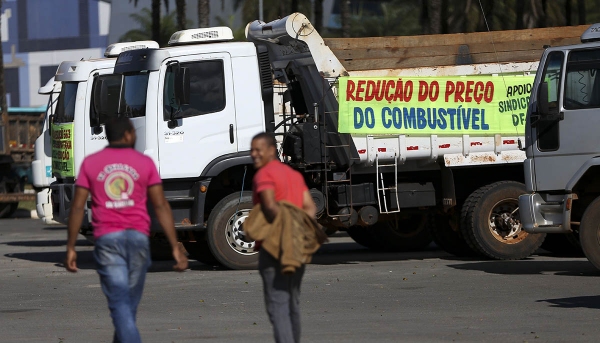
{"points": [[543, 107], [182, 86]]}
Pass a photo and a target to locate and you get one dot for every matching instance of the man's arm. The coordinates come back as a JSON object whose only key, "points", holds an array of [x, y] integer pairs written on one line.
{"points": [[165, 218], [268, 205], [308, 205], [75, 220]]}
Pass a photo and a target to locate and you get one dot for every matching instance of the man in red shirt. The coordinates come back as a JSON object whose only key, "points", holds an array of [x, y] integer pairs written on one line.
{"points": [[275, 181], [120, 180]]}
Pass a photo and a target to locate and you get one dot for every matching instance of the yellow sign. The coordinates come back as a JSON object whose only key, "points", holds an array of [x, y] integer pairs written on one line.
{"points": [[63, 164], [483, 105]]}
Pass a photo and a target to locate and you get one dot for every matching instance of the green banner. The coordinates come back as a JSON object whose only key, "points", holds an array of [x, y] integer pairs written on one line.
{"points": [[62, 150], [475, 105]]}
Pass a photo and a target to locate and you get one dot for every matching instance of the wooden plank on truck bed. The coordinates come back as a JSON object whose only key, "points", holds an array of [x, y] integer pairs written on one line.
{"points": [[477, 48], [447, 60], [456, 38], [442, 50]]}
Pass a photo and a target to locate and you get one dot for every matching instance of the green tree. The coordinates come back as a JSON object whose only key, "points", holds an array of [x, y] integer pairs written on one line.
{"points": [[167, 27], [203, 13], [239, 33], [155, 15], [273, 9], [181, 19]]}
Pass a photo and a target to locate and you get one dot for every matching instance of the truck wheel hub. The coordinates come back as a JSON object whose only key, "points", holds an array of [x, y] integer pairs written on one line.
{"points": [[235, 235], [504, 222]]}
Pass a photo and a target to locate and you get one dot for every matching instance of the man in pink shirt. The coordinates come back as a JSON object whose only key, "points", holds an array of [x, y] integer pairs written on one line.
{"points": [[120, 180]]}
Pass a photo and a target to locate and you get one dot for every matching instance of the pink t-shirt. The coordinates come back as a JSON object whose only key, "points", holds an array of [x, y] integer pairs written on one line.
{"points": [[118, 179]]}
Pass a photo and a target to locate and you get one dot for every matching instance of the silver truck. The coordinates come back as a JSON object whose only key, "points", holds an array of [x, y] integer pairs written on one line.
{"points": [[562, 169]]}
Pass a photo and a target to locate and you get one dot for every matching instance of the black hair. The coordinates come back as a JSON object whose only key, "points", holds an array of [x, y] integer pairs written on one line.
{"points": [[116, 128], [268, 137]]}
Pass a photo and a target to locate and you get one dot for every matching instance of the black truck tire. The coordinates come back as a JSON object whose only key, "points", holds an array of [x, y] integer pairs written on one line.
{"points": [[200, 251], [224, 235], [589, 232], [364, 237], [491, 224], [7, 209], [403, 233], [446, 234]]}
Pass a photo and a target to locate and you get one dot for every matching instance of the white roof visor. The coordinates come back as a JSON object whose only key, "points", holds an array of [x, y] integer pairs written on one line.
{"points": [[205, 35], [114, 50]]}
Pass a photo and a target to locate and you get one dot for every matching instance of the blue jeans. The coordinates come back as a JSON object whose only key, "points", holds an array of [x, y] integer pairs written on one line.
{"points": [[282, 298], [122, 259]]}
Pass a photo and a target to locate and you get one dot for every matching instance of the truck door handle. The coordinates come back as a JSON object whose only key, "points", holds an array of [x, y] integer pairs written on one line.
{"points": [[231, 133]]}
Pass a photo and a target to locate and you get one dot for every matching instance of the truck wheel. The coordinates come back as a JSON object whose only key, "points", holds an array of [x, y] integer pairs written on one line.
{"points": [[7, 209], [364, 237], [403, 233], [445, 232], [589, 232], [200, 251], [225, 236], [491, 224]]}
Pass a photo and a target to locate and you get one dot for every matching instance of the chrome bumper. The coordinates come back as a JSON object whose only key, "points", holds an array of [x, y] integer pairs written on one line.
{"points": [[544, 213]]}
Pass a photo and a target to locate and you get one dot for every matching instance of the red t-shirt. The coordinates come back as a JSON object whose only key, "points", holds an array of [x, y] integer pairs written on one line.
{"points": [[288, 184], [118, 179]]}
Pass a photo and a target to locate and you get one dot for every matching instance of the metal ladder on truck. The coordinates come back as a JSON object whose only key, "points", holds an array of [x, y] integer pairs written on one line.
{"points": [[381, 187], [347, 175]]}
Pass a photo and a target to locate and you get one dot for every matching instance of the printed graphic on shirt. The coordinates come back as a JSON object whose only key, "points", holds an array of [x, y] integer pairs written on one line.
{"points": [[119, 185]]}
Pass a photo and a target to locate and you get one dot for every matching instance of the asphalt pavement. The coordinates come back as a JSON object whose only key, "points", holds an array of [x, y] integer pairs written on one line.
{"points": [[349, 294]]}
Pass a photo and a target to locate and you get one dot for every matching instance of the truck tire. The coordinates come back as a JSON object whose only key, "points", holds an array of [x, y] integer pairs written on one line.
{"points": [[446, 234], [7, 209], [200, 251], [364, 237], [491, 224], [225, 236], [589, 232], [403, 233]]}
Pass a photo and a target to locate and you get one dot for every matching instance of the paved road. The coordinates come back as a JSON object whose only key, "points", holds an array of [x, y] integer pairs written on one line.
{"points": [[349, 295]]}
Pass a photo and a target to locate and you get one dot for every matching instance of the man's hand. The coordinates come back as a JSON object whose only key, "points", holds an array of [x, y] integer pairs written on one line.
{"points": [[165, 218], [71, 261], [75, 220], [181, 259]]}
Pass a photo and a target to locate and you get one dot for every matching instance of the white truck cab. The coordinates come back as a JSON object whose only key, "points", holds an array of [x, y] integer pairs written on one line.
{"points": [[563, 145], [41, 166], [57, 160]]}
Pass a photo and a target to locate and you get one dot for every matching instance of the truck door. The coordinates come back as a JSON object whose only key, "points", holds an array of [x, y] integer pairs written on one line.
{"points": [[205, 129], [95, 136], [565, 126]]}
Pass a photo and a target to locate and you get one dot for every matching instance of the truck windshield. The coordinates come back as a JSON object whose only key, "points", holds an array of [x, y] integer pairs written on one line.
{"points": [[65, 108], [133, 95]]}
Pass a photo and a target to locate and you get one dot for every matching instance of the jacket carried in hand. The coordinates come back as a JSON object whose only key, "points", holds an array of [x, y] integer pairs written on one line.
{"points": [[292, 237]]}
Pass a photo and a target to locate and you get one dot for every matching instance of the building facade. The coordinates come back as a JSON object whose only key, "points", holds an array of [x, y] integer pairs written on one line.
{"points": [[39, 34]]}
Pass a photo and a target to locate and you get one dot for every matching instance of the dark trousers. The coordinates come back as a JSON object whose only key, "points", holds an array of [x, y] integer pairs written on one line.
{"points": [[282, 298]]}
